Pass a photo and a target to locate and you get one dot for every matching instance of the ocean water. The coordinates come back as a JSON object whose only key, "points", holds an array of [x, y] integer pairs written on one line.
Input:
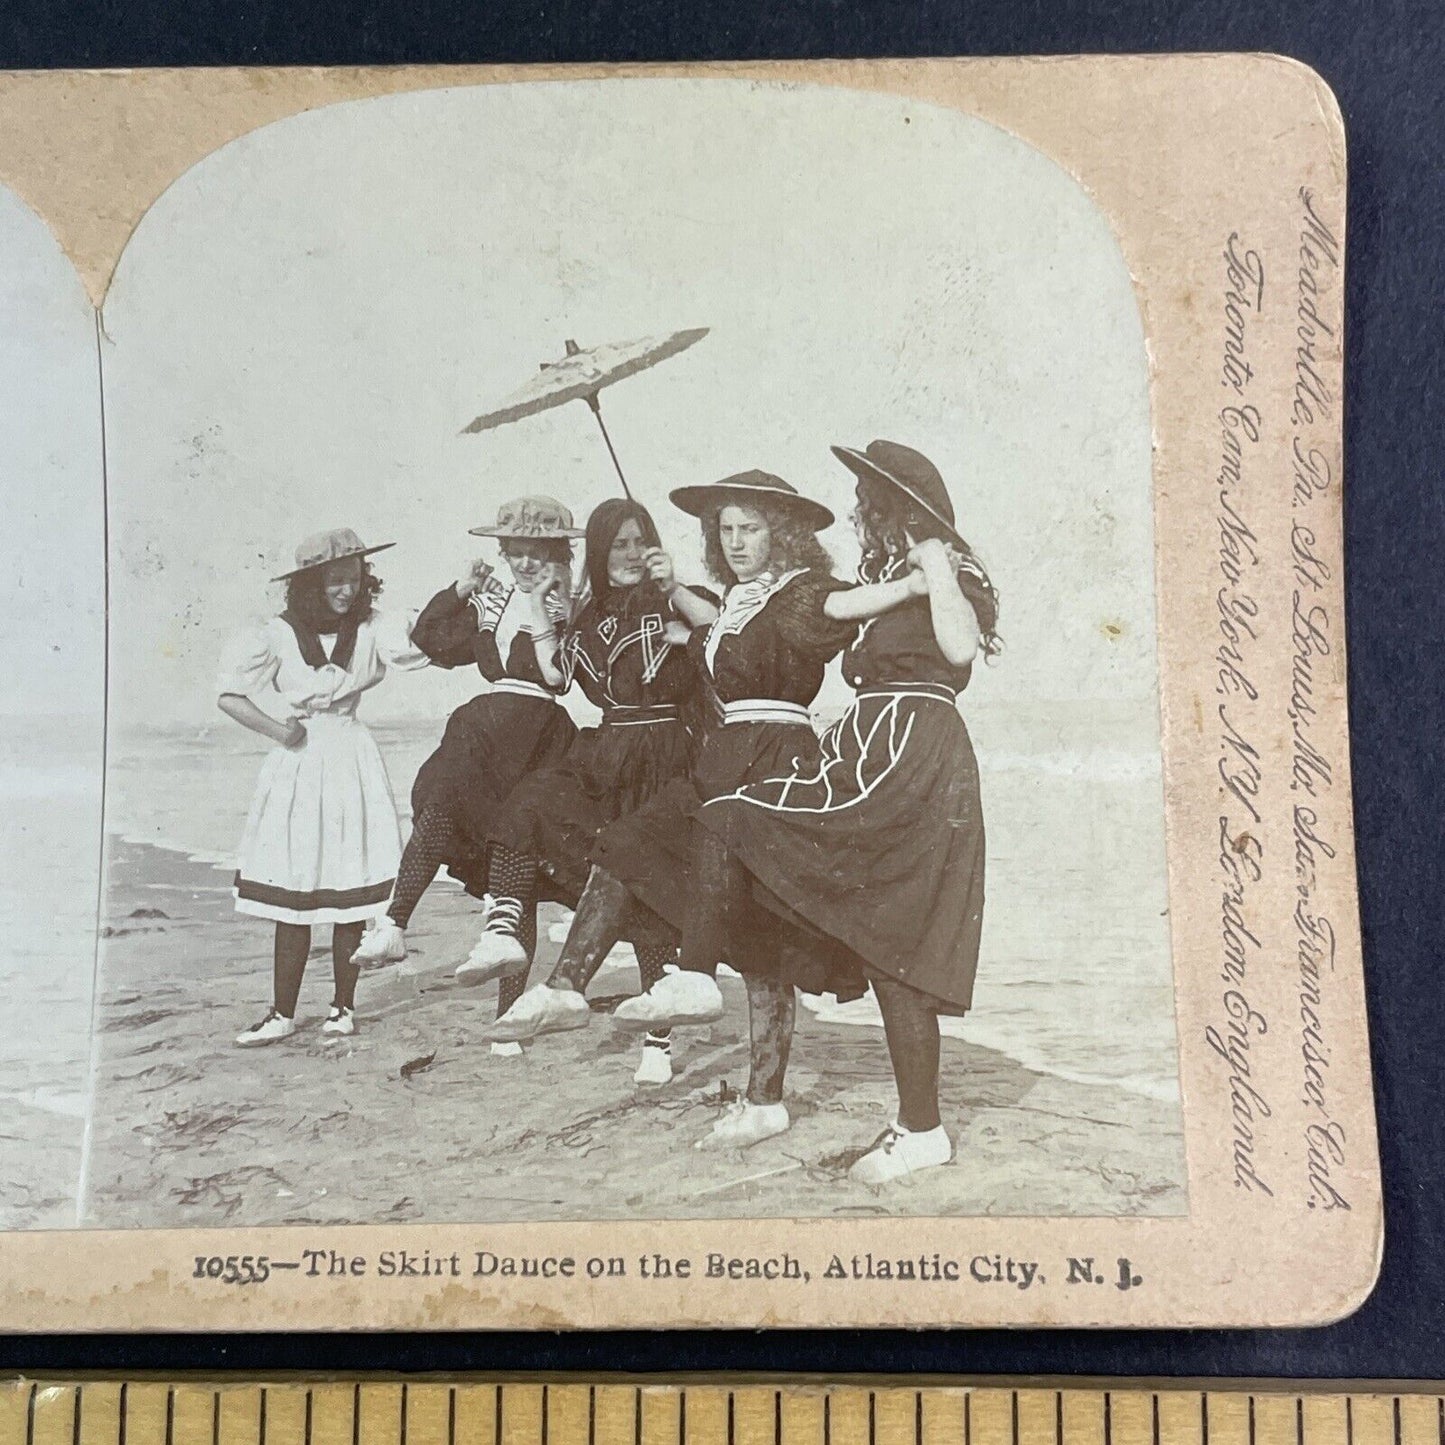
{"points": [[50, 781], [1075, 977]]}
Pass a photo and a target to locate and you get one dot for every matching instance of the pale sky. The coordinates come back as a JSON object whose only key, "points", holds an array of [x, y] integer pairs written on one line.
{"points": [[52, 585], [302, 325]]}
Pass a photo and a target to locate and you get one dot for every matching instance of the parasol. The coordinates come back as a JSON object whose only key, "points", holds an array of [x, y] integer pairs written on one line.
{"points": [[580, 375]]}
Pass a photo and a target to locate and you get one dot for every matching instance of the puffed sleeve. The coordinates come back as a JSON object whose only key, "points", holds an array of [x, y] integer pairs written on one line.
{"points": [[802, 623], [249, 662], [394, 644], [446, 630]]}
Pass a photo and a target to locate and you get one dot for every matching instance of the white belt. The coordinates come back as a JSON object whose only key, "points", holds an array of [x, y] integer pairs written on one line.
{"points": [[765, 710], [523, 688]]}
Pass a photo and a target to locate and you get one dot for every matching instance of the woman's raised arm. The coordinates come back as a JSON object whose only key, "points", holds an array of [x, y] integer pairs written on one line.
{"points": [[955, 623], [872, 599]]}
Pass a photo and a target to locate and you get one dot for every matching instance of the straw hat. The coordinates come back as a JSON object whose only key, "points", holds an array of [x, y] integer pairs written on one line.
{"points": [[333, 546], [536, 519]]}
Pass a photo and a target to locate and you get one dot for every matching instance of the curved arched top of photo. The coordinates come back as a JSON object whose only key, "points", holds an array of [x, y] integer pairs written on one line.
{"points": [[303, 323]]}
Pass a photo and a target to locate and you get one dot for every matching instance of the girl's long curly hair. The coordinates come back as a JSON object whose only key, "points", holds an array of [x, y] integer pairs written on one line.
{"points": [[793, 543], [306, 598], [886, 518]]}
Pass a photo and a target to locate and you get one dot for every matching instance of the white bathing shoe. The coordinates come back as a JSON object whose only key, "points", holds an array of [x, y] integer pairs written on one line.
{"points": [[745, 1124], [900, 1152], [498, 952], [340, 1021], [676, 999], [274, 1027], [541, 1010], [655, 1066], [383, 942]]}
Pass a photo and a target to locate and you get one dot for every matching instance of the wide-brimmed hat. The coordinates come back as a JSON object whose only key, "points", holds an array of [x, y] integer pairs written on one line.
{"points": [[905, 470], [536, 519], [333, 546], [756, 486]]}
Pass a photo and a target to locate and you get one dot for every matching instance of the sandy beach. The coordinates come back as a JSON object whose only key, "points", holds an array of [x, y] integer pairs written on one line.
{"points": [[413, 1118]]}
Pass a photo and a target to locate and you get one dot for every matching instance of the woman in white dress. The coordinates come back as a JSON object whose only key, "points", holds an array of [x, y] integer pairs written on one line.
{"points": [[322, 841]]}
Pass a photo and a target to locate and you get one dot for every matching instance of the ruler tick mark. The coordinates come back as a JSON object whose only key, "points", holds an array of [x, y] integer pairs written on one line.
{"points": [[872, 1418], [682, 1417], [497, 1421], [637, 1416], [356, 1414], [80, 1405], [1397, 1420], [1251, 1420], [778, 1418], [544, 1417], [1108, 1420], [1154, 1418], [828, 1422], [968, 1418], [30, 1413], [261, 1419], [170, 1417], [402, 1411], [124, 1399], [1058, 1417], [215, 1417], [306, 1427], [451, 1417], [730, 1418], [1349, 1421], [592, 1415], [917, 1417]]}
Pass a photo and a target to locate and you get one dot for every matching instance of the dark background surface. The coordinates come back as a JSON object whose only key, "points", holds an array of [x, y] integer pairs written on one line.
{"points": [[1385, 61]]}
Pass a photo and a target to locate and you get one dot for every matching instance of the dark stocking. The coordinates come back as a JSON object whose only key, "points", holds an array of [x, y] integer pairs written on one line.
{"points": [[652, 956], [911, 1025], [293, 943], [772, 1009], [509, 990], [719, 899], [512, 882], [601, 916], [433, 840], [344, 969]]}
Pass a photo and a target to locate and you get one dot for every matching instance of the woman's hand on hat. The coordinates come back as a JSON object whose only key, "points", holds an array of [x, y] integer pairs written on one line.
{"points": [[659, 569], [931, 559], [475, 579]]}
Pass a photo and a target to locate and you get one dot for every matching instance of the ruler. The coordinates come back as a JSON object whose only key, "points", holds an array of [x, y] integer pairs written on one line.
{"points": [[570, 1411]]}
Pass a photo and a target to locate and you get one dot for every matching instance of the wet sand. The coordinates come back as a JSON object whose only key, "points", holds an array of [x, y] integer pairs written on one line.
{"points": [[414, 1119], [39, 1167]]}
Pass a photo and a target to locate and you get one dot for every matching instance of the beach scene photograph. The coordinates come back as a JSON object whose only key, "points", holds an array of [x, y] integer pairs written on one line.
{"points": [[614, 631]]}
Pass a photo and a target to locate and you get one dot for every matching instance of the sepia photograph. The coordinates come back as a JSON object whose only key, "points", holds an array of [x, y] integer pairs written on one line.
{"points": [[644, 660]]}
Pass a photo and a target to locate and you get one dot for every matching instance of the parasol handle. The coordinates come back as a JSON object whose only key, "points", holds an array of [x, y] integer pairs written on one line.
{"points": [[596, 407]]}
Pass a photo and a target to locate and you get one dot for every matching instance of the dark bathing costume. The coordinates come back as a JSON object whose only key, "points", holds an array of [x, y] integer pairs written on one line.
{"points": [[648, 690], [880, 846], [763, 660]]}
